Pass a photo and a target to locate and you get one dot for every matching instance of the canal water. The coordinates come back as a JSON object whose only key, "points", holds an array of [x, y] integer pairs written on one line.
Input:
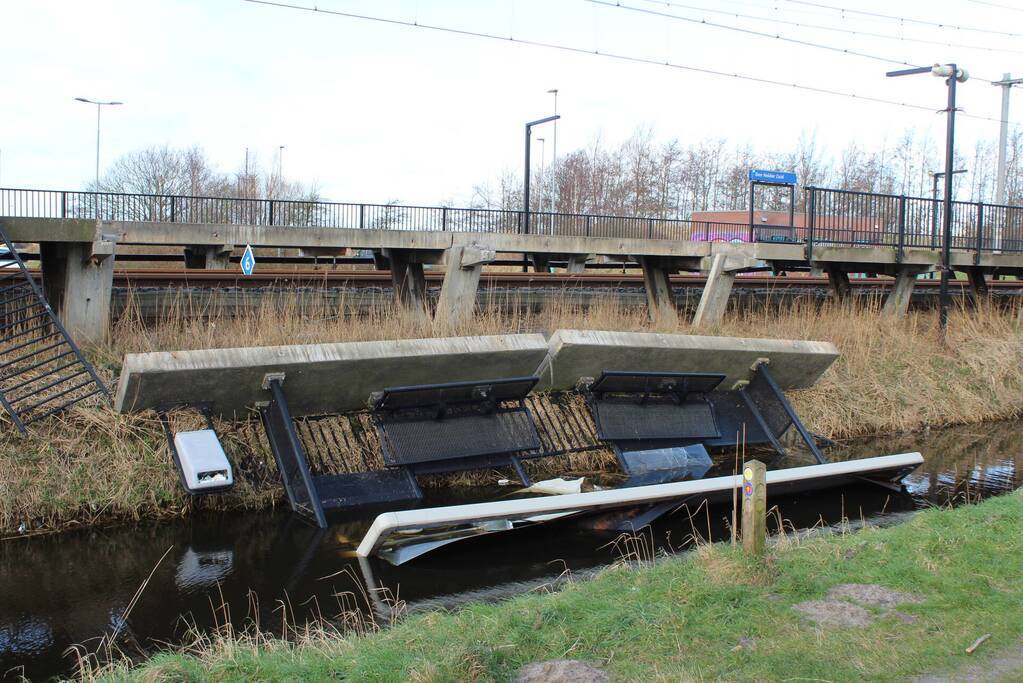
{"points": [[74, 589]]}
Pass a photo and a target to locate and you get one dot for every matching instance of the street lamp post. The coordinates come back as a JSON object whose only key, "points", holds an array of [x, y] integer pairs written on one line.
{"points": [[99, 108], [543, 155], [525, 187], [952, 75], [554, 152]]}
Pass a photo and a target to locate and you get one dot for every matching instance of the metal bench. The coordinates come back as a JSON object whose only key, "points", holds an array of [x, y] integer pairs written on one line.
{"points": [[458, 426], [645, 415]]}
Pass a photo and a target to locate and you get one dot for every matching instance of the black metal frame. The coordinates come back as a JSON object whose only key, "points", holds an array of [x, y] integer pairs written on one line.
{"points": [[307, 492], [847, 217], [791, 227], [206, 410], [23, 286], [762, 372], [290, 457], [33, 203]]}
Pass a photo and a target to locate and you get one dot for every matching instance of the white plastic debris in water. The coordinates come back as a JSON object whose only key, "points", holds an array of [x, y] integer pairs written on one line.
{"points": [[557, 487]]}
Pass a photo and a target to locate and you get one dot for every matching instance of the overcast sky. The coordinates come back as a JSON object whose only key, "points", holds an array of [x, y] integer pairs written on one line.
{"points": [[371, 111]]}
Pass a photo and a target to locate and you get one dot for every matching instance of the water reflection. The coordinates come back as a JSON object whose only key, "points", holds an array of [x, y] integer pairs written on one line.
{"points": [[75, 588]]}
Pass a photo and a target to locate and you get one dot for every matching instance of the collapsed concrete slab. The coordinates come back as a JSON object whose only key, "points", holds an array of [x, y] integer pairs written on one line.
{"points": [[319, 378], [587, 353]]}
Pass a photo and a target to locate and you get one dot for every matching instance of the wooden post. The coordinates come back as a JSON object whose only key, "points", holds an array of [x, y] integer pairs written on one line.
{"points": [[754, 507]]}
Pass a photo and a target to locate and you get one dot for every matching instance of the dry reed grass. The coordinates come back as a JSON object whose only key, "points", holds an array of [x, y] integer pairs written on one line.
{"points": [[893, 376]]}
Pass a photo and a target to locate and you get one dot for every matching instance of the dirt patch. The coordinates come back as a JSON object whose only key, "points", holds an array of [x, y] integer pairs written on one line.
{"points": [[873, 595], [834, 613], [561, 671], [1006, 666]]}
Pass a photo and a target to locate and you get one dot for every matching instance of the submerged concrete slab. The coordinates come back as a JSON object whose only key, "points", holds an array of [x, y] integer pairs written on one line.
{"points": [[319, 378], [587, 353]]}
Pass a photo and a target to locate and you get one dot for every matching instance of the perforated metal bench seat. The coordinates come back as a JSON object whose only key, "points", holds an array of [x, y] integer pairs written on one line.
{"points": [[634, 411], [365, 489], [457, 426]]}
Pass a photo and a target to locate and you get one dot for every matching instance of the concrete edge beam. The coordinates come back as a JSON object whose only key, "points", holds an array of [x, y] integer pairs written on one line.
{"points": [[319, 378], [587, 353]]}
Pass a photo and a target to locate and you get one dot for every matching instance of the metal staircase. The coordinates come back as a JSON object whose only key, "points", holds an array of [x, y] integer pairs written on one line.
{"points": [[42, 370]]}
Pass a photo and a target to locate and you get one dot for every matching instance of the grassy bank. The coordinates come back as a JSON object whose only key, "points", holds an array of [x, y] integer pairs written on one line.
{"points": [[707, 615], [893, 376]]}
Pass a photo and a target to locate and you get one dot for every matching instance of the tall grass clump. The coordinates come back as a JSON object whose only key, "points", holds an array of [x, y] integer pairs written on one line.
{"points": [[894, 375]]}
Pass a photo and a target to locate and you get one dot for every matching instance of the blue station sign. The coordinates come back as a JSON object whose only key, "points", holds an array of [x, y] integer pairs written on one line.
{"points": [[779, 177]]}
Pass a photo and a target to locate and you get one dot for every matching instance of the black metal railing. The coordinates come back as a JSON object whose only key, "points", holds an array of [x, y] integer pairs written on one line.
{"points": [[29, 203], [837, 217], [848, 218]]}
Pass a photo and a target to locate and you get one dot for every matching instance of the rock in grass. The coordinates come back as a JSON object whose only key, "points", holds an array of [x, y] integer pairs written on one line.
{"points": [[561, 671]]}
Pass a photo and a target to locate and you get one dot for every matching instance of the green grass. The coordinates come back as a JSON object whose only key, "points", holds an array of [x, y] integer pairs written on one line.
{"points": [[679, 618]]}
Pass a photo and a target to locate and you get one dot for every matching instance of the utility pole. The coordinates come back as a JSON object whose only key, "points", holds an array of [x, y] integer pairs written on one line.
{"points": [[1003, 135]]}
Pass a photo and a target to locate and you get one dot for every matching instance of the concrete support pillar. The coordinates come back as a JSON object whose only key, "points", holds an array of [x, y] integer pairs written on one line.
{"points": [[209, 257], [714, 301], [541, 262], [839, 280], [409, 282], [78, 278], [660, 299], [577, 263], [461, 280], [978, 284], [897, 302]]}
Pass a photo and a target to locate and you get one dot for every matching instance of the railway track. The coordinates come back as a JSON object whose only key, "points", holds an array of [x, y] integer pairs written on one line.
{"points": [[148, 278]]}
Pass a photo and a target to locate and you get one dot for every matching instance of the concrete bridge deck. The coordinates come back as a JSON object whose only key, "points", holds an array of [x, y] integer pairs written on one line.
{"points": [[76, 253]]}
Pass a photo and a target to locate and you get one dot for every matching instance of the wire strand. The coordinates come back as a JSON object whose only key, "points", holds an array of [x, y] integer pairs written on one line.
{"points": [[902, 20], [835, 29], [774, 36], [611, 55]]}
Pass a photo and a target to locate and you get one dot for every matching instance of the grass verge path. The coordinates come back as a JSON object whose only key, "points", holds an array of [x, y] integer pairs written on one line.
{"points": [[708, 615]]}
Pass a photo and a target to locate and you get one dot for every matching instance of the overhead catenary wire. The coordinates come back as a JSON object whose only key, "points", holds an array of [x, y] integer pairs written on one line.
{"points": [[834, 29], [805, 43], [903, 20], [608, 55], [997, 4]]}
